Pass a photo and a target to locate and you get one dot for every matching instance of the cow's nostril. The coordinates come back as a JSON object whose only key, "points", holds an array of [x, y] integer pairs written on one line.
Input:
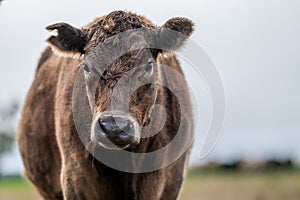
{"points": [[111, 125]]}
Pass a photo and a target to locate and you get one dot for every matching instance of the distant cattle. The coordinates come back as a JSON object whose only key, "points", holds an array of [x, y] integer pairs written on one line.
{"points": [[56, 161]]}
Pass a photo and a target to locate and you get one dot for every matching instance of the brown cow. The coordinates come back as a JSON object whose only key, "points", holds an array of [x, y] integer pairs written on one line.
{"points": [[56, 155]]}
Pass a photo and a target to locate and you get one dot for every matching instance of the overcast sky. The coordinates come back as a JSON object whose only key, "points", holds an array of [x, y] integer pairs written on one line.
{"points": [[254, 44]]}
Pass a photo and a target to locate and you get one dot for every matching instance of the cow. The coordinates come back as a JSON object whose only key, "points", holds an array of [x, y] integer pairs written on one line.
{"points": [[59, 156]]}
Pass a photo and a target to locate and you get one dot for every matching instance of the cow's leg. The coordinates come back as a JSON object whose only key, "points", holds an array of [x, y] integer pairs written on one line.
{"points": [[156, 185], [81, 180], [144, 186], [176, 173]]}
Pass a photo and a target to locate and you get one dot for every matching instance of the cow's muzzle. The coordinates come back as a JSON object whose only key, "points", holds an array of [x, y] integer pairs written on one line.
{"points": [[115, 131]]}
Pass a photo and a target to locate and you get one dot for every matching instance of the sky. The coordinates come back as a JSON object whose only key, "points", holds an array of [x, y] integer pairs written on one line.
{"points": [[254, 45]]}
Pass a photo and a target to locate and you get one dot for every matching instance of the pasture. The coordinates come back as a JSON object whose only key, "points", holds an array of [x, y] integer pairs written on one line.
{"points": [[274, 184]]}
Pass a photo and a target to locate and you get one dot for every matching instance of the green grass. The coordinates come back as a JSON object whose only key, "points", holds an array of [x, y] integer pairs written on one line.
{"points": [[16, 188], [14, 184], [215, 184]]}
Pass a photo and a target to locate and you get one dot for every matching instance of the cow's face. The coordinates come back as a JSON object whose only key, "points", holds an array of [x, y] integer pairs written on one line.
{"points": [[121, 96], [120, 83]]}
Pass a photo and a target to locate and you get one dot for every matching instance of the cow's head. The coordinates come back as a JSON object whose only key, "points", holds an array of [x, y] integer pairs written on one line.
{"points": [[113, 78]]}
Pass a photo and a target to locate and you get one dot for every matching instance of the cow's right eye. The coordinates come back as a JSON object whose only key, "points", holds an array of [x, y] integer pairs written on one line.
{"points": [[86, 68]]}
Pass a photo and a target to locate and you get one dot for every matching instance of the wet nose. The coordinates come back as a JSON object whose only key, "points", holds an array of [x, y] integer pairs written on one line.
{"points": [[118, 130]]}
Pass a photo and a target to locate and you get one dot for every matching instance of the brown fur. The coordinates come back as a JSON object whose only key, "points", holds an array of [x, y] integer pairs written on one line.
{"points": [[55, 159]]}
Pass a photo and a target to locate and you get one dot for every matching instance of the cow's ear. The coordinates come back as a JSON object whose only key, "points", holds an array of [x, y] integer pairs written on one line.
{"points": [[174, 33], [68, 39]]}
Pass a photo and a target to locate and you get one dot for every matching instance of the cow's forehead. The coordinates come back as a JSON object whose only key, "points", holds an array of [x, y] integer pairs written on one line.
{"points": [[130, 39], [131, 43]]}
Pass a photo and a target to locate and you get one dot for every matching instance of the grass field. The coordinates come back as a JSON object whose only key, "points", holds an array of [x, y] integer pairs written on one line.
{"points": [[215, 185], [243, 185], [16, 189]]}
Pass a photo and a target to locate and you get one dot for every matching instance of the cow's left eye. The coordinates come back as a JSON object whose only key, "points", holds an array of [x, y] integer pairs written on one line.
{"points": [[149, 67]]}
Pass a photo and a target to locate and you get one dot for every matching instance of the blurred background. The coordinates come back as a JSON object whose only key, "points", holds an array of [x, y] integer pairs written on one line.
{"points": [[255, 46]]}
